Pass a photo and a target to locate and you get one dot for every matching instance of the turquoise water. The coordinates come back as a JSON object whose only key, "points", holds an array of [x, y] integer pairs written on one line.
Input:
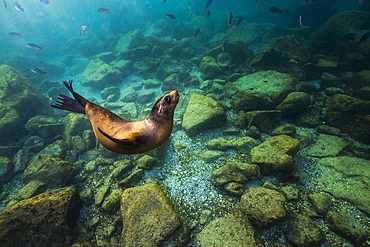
{"points": [[270, 139]]}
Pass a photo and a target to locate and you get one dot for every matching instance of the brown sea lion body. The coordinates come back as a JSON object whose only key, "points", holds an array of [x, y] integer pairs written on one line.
{"points": [[122, 136]]}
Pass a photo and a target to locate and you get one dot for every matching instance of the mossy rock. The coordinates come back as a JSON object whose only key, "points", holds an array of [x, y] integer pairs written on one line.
{"points": [[99, 74]]}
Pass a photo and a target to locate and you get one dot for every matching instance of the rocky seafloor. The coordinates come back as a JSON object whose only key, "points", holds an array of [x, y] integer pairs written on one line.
{"points": [[270, 145]]}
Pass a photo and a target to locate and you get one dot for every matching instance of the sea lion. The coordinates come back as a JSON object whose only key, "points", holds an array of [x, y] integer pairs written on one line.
{"points": [[119, 135]]}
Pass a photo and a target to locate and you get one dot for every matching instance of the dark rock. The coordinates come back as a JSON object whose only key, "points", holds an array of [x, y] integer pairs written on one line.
{"points": [[75, 124], [49, 131], [241, 144], [6, 168], [320, 202], [290, 193], [45, 220], [78, 145], [33, 123], [132, 179], [295, 102], [89, 139], [209, 68], [172, 82], [269, 58], [344, 224], [241, 120], [161, 220], [146, 162], [235, 189], [253, 132], [286, 129], [265, 121], [20, 160], [111, 203], [306, 87], [249, 100], [31, 189], [263, 206], [328, 130]]}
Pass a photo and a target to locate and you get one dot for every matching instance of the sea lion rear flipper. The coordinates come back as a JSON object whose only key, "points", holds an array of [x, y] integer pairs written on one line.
{"points": [[124, 142]]}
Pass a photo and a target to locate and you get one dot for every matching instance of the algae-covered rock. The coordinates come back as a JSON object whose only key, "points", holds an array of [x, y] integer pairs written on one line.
{"points": [[112, 202], [327, 145], [75, 124], [209, 67], [6, 167], [341, 176], [242, 144], [146, 162], [31, 189], [201, 114], [286, 129], [265, 121], [294, 103], [231, 230], [39, 221], [51, 170], [148, 218], [129, 41], [304, 232], [9, 122], [99, 74], [320, 202], [275, 154], [268, 58], [33, 123], [249, 100], [263, 206], [234, 171]]}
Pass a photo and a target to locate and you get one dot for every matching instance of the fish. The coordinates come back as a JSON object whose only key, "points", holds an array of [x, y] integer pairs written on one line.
{"points": [[364, 37], [44, 1], [224, 45], [297, 39], [170, 15], [83, 28], [5, 4], [310, 1], [274, 9], [14, 34], [365, 3], [102, 10], [33, 46], [208, 13], [196, 33], [18, 7], [351, 37], [208, 3], [239, 21], [300, 20], [39, 71], [257, 3], [230, 18]]}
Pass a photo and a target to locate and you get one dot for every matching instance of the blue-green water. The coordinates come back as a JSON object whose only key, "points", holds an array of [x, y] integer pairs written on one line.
{"points": [[303, 68]]}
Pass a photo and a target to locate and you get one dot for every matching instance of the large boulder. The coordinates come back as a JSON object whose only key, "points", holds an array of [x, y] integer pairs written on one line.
{"points": [[148, 217], [129, 41], [45, 220], [201, 114], [99, 74]]}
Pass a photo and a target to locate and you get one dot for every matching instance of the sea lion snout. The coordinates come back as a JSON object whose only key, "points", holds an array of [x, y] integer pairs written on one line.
{"points": [[175, 96]]}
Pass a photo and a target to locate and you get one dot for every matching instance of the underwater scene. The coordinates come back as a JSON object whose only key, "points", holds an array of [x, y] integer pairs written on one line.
{"points": [[184, 123]]}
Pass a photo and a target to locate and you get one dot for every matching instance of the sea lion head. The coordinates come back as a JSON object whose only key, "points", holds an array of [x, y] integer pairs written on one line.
{"points": [[165, 106]]}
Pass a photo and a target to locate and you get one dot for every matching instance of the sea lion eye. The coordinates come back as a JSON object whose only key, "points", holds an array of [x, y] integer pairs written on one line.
{"points": [[167, 99]]}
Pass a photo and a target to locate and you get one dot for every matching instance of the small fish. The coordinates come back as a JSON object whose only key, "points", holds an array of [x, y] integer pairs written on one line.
{"points": [[365, 3], [230, 18], [239, 21], [351, 37], [310, 1], [18, 7], [208, 3], [5, 4], [33, 46], [102, 10], [208, 13], [196, 33], [44, 1], [300, 20], [224, 45], [14, 34], [297, 39], [170, 15], [364, 37], [39, 71], [257, 3], [274, 9], [83, 28]]}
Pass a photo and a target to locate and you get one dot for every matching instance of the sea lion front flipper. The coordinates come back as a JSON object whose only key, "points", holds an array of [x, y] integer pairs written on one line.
{"points": [[123, 142]]}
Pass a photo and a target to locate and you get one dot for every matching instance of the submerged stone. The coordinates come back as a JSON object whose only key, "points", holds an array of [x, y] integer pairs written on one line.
{"points": [[327, 145], [99, 74]]}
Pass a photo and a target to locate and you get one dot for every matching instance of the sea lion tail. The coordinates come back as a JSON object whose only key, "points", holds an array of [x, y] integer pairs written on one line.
{"points": [[69, 104]]}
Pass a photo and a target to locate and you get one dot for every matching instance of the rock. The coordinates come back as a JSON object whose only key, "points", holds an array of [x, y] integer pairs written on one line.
{"points": [[205, 217], [209, 68], [340, 176], [20, 160], [249, 100], [201, 114], [172, 82], [224, 59], [350, 115], [234, 189], [75, 124], [161, 220], [110, 91], [345, 225], [112, 202], [101, 194], [145, 97], [231, 230], [286, 129], [152, 83], [320, 202], [253, 132], [211, 155], [302, 231], [294, 103], [364, 93], [31, 189], [33, 123], [130, 110], [132, 179], [265, 121], [275, 154], [57, 148], [230, 90], [129, 41], [129, 95], [9, 119], [290, 193], [234, 171], [122, 167], [34, 144], [50, 131], [269, 58], [78, 145], [327, 145], [168, 67], [328, 130], [263, 206], [39, 221], [99, 74], [242, 144], [146, 162], [51, 170], [6, 167], [89, 139], [268, 82]]}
